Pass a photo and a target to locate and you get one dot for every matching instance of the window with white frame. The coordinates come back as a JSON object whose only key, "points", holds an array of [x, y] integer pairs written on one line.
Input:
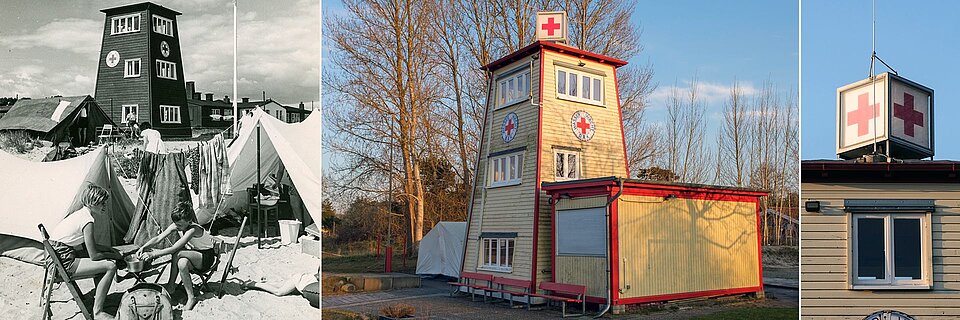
{"points": [[891, 250], [125, 24], [497, 254], [131, 68], [513, 88], [579, 86], [127, 109], [166, 70], [566, 164], [162, 25], [169, 114], [506, 170]]}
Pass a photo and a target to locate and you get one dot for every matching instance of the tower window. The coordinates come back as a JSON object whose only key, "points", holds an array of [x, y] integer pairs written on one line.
{"points": [[497, 254], [589, 90], [131, 68], [514, 88], [166, 70], [506, 170], [169, 114], [162, 25], [125, 24], [890, 250], [566, 164], [130, 108]]}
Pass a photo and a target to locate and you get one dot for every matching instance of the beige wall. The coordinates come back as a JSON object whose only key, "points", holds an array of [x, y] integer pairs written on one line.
{"points": [[824, 254], [685, 245]]}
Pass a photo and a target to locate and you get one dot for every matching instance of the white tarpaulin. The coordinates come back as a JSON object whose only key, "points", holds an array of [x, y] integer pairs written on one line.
{"points": [[46, 192], [297, 145], [441, 250]]}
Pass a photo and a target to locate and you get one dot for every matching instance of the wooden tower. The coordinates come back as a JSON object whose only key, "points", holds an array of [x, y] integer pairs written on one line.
{"points": [[552, 114], [141, 68]]}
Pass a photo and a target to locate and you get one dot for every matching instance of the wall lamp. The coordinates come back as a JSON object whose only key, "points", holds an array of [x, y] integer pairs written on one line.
{"points": [[812, 206]]}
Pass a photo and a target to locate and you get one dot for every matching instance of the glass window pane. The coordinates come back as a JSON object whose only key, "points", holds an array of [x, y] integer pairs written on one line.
{"points": [[573, 84], [511, 90], [509, 252], [586, 87], [596, 89], [513, 168], [572, 166], [526, 84], [503, 92], [559, 164], [561, 82], [906, 248], [519, 166], [496, 170], [503, 253], [870, 249]]}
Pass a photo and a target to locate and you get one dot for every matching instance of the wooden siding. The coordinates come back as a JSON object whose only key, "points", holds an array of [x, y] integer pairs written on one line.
{"points": [[824, 254], [166, 91], [507, 208], [685, 245], [586, 271], [113, 90]]}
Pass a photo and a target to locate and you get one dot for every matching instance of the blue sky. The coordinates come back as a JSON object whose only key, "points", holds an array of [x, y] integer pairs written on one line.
{"points": [[717, 41], [917, 38]]}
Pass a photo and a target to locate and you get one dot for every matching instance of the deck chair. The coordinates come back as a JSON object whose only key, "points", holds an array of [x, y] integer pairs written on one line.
{"points": [[105, 132], [220, 248], [50, 278]]}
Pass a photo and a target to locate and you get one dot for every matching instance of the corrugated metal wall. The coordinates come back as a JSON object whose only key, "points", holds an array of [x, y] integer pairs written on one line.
{"points": [[685, 245]]}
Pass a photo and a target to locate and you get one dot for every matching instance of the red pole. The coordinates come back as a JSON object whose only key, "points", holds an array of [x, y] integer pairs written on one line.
{"points": [[388, 265], [378, 247]]}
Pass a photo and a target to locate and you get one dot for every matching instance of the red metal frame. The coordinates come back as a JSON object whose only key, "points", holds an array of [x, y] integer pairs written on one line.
{"points": [[687, 295], [759, 249], [541, 45], [614, 249]]}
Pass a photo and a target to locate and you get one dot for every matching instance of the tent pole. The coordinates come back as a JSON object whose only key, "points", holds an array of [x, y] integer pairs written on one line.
{"points": [[257, 190]]}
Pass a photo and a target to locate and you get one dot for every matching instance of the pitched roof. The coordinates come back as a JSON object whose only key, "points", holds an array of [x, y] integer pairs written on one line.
{"points": [[38, 114], [560, 48]]}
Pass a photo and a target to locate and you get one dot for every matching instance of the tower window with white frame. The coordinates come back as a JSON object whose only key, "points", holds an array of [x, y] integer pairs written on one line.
{"points": [[131, 68], [125, 24], [169, 114], [513, 88], [131, 108], [891, 251], [497, 254], [579, 86], [566, 164], [506, 170], [166, 70], [162, 25]]}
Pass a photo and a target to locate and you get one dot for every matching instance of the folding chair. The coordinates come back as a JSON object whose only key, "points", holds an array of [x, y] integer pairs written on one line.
{"points": [[50, 278], [105, 132]]}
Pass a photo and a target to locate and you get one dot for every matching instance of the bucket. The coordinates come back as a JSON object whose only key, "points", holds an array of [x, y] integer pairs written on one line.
{"points": [[289, 230]]}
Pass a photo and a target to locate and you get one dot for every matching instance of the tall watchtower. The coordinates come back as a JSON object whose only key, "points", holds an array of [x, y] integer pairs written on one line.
{"points": [[552, 114], [141, 69]]}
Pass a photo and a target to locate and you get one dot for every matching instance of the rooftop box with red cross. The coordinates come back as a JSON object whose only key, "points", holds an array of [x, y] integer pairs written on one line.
{"points": [[887, 114]]}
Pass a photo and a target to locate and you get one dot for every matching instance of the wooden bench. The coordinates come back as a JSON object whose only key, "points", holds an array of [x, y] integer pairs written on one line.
{"points": [[564, 293], [469, 280], [501, 285]]}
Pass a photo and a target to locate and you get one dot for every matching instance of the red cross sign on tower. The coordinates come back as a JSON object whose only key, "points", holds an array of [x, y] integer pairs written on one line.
{"points": [[508, 129], [552, 26], [582, 125], [909, 116], [863, 114]]}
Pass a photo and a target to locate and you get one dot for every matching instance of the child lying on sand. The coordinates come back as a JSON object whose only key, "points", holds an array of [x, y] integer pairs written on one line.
{"points": [[296, 283], [198, 255]]}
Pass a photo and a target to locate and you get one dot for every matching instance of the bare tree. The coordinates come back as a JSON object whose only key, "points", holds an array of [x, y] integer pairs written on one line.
{"points": [[734, 131]]}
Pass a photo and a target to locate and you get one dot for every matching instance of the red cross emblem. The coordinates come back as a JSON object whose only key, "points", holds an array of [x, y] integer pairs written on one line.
{"points": [[509, 128], [906, 112], [863, 114], [550, 26], [582, 125]]}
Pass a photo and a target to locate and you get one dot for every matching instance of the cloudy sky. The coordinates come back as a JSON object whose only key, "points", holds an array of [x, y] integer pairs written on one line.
{"points": [[51, 47]]}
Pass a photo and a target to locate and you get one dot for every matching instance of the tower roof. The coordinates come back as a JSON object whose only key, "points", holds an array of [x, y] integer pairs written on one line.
{"points": [[556, 47], [143, 6]]}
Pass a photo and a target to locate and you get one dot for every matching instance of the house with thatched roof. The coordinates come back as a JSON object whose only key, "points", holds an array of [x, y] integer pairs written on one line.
{"points": [[57, 119]]}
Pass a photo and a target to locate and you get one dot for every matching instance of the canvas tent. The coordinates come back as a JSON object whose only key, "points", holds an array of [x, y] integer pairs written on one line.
{"points": [[56, 119], [46, 192], [441, 249], [296, 145]]}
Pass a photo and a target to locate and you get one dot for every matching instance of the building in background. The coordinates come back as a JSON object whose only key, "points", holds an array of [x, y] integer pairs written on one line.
{"points": [[141, 69]]}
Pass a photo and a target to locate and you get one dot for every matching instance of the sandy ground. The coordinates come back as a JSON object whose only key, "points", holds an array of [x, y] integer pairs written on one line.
{"points": [[20, 290]]}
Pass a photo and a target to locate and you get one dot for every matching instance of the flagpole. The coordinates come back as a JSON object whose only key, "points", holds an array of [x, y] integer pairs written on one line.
{"points": [[235, 114]]}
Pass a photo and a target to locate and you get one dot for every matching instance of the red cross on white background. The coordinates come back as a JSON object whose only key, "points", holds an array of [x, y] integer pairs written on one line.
{"points": [[509, 127], [863, 114], [906, 112], [550, 26], [583, 125]]}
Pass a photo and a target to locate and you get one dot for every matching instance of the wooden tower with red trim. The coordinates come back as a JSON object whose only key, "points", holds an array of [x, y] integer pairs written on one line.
{"points": [[552, 114]]}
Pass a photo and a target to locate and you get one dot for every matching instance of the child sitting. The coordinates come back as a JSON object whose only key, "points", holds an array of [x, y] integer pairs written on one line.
{"points": [[198, 256]]}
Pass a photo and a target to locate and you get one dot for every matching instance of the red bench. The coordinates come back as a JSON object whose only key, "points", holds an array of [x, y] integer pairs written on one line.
{"points": [[564, 293], [502, 286], [469, 280]]}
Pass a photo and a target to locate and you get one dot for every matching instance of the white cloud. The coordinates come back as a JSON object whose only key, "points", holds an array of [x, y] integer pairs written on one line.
{"points": [[71, 34], [711, 93], [37, 81]]}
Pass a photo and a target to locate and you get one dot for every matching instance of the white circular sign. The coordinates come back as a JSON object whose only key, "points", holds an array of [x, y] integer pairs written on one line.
{"points": [[113, 58], [582, 125], [508, 130], [164, 49], [888, 315]]}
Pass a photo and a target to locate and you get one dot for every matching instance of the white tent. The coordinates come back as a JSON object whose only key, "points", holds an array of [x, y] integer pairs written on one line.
{"points": [[46, 192], [297, 145], [441, 250]]}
